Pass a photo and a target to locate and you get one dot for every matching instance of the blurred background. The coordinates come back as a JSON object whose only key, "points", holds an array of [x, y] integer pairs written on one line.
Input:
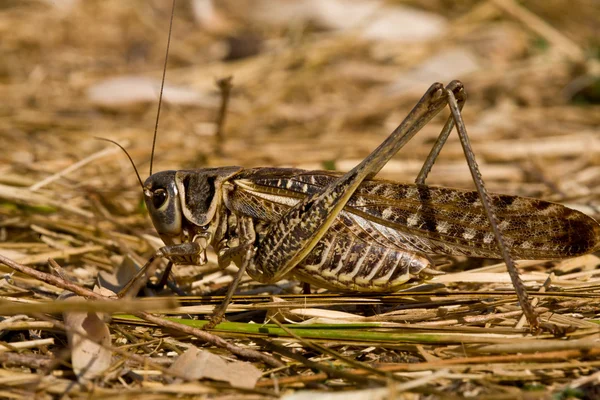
{"points": [[317, 84]]}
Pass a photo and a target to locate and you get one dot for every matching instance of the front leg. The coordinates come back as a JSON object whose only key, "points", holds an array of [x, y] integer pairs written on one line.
{"points": [[243, 256], [177, 253]]}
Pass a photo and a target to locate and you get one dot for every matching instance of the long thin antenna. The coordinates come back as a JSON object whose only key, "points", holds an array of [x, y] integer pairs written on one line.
{"points": [[162, 86], [128, 156]]}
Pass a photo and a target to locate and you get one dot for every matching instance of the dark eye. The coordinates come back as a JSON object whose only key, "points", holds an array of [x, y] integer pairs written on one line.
{"points": [[159, 197]]}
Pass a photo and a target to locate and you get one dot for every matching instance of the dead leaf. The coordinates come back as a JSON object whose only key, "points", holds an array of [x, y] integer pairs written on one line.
{"points": [[90, 355], [372, 19], [270, 12], [210, 18], [442, 67], [197, 364], [376, 21], [63, 6], [116, 281], [132, 90]]}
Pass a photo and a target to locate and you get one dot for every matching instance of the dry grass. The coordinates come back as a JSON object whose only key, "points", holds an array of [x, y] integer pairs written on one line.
{"points": [[310, 99]]}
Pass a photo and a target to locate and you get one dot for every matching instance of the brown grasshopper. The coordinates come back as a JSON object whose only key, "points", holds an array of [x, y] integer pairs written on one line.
{"points": [[353, 232]]}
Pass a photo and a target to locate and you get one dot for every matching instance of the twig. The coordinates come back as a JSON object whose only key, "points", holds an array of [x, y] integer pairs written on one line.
{"points": [[404, 387], [327, 370], [225, 86], [102, 153], [107, 306], [212, 339], [462, 363], [335, 354], [29, 198], [203, 335], [542, 28], [27, 344], [35, 361]]}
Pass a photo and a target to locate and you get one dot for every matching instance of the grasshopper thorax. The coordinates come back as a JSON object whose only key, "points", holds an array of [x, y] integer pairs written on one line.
{"points": [[183, 204]]}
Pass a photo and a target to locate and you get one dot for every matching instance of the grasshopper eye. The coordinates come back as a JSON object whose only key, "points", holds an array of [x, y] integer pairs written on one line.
{"points": [[159, 197]]}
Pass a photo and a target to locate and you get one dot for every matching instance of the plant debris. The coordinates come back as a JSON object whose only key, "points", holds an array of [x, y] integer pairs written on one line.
{"points": [[316, 85]]}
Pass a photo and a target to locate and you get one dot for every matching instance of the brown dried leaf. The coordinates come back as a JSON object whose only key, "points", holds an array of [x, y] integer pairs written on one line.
{"points": [[131, 90], [116, 281], [63, 6], [376, 21], [197, 364], [90, 355], [443, 66]]}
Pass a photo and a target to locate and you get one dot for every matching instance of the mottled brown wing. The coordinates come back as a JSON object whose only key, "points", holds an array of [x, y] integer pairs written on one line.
{"points": [[427, 219]]}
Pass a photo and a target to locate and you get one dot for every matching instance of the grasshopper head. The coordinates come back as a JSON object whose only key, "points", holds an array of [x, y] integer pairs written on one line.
{"points": [[183, 204], [162, 200]]}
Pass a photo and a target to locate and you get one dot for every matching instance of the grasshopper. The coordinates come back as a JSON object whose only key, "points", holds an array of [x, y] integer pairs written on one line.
{"points": [[351, 231]]}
